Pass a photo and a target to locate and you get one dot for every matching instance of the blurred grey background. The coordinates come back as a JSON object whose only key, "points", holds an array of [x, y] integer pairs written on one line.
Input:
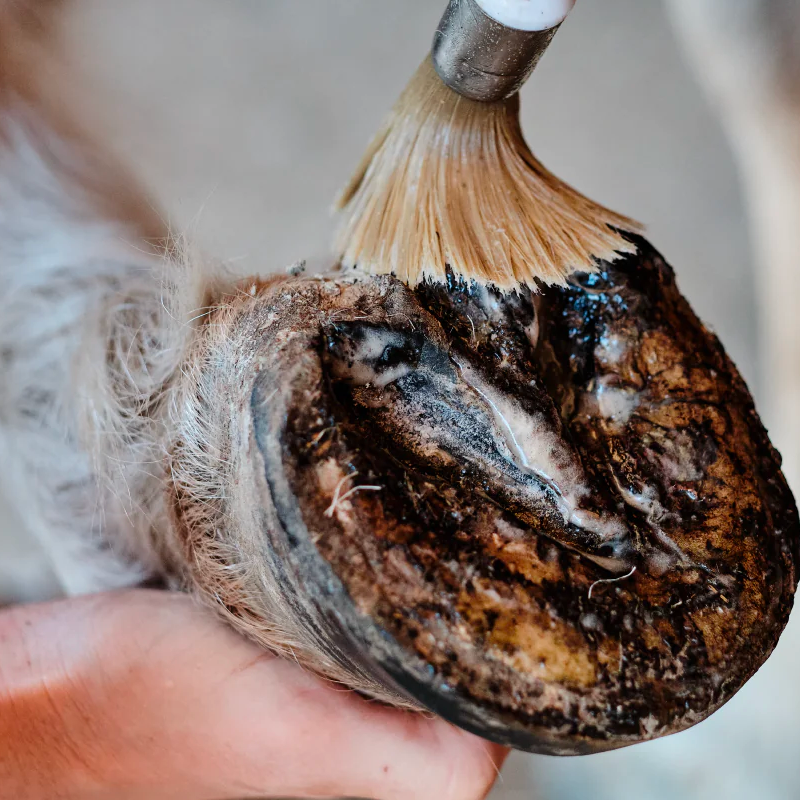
{"points": [[245, 116]]}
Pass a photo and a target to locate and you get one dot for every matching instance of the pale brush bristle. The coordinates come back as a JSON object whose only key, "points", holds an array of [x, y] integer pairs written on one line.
{"points": [[451, 182]]}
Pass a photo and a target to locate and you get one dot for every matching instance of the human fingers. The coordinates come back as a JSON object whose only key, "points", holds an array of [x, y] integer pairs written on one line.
{"points": [[145, 695]]}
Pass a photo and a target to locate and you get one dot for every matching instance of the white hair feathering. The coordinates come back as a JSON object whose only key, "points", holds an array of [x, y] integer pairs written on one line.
{"points": [[98, 310]]}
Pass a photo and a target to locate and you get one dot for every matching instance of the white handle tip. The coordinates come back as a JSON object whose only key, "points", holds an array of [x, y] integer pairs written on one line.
{"points": [[528, 15]]}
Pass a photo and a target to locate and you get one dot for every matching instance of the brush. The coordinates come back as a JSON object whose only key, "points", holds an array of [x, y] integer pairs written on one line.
{"points": [[449, 182]]}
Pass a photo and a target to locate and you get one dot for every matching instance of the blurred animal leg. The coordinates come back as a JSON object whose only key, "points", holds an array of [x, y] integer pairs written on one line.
{"points": [[76, 254], [747, 55]]}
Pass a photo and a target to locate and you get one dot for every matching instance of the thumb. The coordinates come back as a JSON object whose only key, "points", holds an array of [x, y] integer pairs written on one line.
{"points": [[144, 695]]}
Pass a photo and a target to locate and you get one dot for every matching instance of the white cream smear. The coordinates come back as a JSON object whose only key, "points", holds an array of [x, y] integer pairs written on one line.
{"points": [[616, 404], [648, 503], [530, 440], [678, 459], [612, 348], [489, 301], [361, 368], [528, 15], [537, 450]]}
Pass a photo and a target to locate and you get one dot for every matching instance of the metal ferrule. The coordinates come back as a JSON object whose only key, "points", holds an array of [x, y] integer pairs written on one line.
{"points": [[482, 59]]}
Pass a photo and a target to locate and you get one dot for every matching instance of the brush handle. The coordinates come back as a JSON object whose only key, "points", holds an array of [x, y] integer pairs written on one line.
{"points": [[486, 49]]}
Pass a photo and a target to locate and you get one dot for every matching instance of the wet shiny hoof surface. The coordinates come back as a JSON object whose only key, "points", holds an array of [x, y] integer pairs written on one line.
{"points": [[555, 520]]}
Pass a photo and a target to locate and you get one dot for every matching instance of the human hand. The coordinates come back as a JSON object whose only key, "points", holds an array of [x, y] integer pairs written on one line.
{"points": [[143, 694]]}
